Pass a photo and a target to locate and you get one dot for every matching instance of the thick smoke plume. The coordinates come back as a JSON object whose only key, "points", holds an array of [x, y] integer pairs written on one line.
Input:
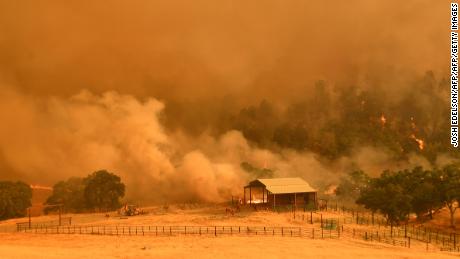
{"points": [[174, 87], [49, 139]]}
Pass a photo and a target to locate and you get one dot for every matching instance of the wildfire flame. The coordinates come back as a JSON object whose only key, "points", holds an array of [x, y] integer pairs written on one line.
{"points": [[383, 119], [420, 142]]}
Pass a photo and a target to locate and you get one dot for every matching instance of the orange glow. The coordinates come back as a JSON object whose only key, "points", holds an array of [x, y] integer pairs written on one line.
{"points": [[383, 119], [36, 186], [421, 143]]}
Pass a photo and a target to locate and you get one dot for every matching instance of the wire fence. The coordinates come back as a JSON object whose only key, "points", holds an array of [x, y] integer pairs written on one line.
{"points": [[65, 221], [375, 227], [178, 230], [301, 232]]}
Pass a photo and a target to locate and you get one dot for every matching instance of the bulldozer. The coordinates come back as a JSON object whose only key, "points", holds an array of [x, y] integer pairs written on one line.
{"points": [[130, 210]]}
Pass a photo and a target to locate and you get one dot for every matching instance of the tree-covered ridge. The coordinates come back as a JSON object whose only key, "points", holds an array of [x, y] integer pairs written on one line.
{"points": [[331, 121]]}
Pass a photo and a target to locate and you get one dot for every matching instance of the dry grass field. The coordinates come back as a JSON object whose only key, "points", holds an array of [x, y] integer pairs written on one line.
{"points": [[30, 245], [89, 246]]}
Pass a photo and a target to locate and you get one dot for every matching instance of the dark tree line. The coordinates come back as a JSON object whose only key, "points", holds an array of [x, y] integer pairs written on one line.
{"points": [[397, 194], [99, 191], [15, 198]]}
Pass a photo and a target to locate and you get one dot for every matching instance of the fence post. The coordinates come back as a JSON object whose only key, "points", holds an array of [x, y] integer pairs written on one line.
{"points": [[313, 233], [405, 230], [408, 241], [391, 226], [311, 217], [455, 240], [321, 220], [215, 231]]}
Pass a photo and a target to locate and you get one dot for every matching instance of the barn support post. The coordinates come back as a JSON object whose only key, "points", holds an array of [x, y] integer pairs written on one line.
{"points": [[274, 201], [295, 203], [315, 200], [250, 195], [263, 195]]}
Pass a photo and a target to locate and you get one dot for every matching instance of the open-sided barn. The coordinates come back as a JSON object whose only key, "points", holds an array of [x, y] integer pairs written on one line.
{"points": [[280, 191]]}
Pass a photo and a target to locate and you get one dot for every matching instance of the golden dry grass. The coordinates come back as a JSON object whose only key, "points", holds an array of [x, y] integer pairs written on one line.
{"points": [[20, 245]]}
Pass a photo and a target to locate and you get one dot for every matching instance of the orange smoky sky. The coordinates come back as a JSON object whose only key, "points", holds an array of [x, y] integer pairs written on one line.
{"points": [[203, 49]]}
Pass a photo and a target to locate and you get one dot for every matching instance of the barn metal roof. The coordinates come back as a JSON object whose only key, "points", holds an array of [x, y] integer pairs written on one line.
{"points": [[284, 185]]}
